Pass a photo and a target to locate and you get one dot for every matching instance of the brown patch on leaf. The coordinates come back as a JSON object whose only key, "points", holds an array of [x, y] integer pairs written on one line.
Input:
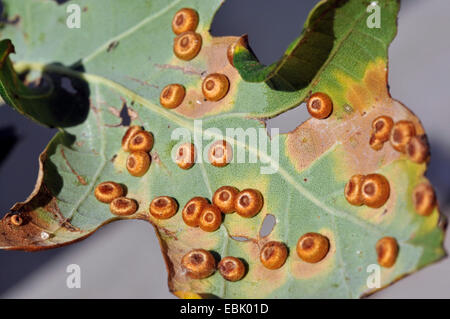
{"points": [[92, 106], [257, 273], [215, 53], [168, 232], [114, 111], [132, 114], [185, 69], [315, 137], [157, 160], [143, 82], [24, 237], [372, 89], [53, 208], [173, 251], [79, 177], [79, 143], [41, 215]]}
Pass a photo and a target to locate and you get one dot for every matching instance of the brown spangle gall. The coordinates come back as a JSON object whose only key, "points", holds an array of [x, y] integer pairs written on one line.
{"points": [[353, 188], [312, 247], [230, 53], [220, 153], [418, 149], [163, 207], [192, 211], [381, 127], [248, 202], [106, 192], [319, 105], [172, 95], [185, 155], [123, 206], [242, 41], [210, 218], [424, 199], [224, 198], [132, 130], [138, 163], [198, 264], [273, 255], [184, 20], [387, 251], [215, 86], [375, 143], [141, 141], [16, 220], [231, 268], [401, 134], [375, 190], [187, 45]]}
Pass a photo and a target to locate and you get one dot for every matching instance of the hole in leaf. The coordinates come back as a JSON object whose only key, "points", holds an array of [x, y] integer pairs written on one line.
{"points": [[288, 121], [126, 119], [239, 238], [268, 40], [268, 225]]}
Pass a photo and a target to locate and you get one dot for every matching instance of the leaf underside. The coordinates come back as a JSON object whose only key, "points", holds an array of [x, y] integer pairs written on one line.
{"points": [[118, 62]]}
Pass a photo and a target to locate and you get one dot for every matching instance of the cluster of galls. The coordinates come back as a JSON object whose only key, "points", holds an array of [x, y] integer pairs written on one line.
{"points": [[311, 248], [402, 136], [113, 194], [186, 46], [187, 43], [373, 190], [198, 212], [139, 143], [199, 263], [220, 154]]}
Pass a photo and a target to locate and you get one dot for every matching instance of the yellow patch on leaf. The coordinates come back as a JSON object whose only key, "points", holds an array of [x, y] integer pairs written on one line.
{"points": [[372, 89]]}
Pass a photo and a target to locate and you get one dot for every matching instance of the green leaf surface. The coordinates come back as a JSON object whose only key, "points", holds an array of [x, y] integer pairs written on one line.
{"points": [[83, 81]]}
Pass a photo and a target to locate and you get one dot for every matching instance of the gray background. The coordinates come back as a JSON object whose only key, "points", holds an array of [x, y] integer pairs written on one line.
{"points": [[122, 260]]}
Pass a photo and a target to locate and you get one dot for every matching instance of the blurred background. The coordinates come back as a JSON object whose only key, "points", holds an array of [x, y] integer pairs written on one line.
{"points": [[123, 259]]}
